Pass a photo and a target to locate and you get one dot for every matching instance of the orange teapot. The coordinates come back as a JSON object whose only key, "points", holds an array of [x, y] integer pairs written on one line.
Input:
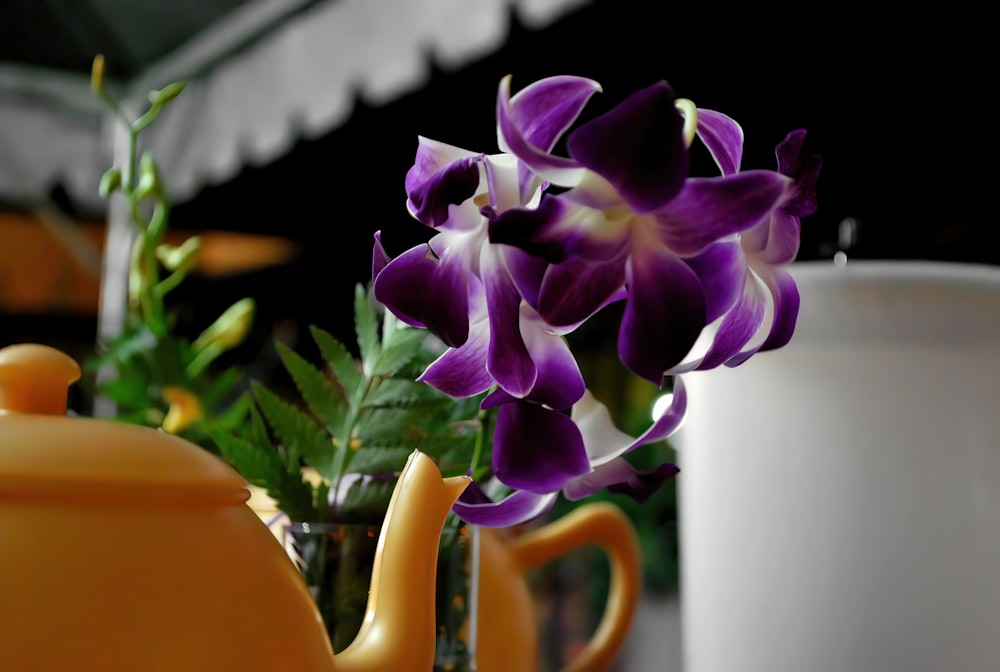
{"points": [[124, 548]]}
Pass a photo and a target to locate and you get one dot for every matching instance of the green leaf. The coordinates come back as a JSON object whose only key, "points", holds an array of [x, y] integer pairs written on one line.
{"points": [[301, 435], [374, 460], [344, 367], [397, 393], [324, 398], [398, 349], [262, 467], [366, 326]]}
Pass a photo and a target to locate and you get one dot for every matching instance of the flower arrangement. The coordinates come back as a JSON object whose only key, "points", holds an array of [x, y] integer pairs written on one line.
{"points": [[528, 244]]}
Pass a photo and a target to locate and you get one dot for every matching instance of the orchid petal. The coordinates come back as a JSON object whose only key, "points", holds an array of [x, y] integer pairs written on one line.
{"points": [[724, 139], [710, 209], [786, 309], [511, 138], [638, 146], [664, 314], [738, 326], [518, 507], [424, 290], [576, 289], [508, 360], [620, 477], [721, 269], [461, 372], [804, 168], [782, 239], [537, 449], [559, 383], [431, 187], [380, 258], [543, 111]]}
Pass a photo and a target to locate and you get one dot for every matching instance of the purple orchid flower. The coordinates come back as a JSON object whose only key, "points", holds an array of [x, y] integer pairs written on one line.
{"points": [[764, 314], [605, 446], [632, 217]]}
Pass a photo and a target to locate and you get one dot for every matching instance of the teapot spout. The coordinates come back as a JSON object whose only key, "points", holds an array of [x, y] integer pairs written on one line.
{"points": [[398, 632]]}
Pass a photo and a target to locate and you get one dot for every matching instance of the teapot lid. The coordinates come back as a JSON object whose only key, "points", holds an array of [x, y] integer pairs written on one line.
{"points": [[46, 454]]}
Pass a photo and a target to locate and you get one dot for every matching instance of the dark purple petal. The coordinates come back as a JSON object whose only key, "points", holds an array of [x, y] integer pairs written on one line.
{"points": [[664, 315], [537, 231], [709, 209], [508, 360], [638, 146], [803, 168], [620, 477], [537, 449], [738, 326], [642, 485], [720, 268], [461, 372], [423, 290], [576, 289], [724, 139], [429, 201], [518, 507]]}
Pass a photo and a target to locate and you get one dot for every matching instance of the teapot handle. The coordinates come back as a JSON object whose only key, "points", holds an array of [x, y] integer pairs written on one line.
{"points": [[605, 525]]}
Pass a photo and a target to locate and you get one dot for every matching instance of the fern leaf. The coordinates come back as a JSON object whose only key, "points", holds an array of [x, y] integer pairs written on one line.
{"points": [[262, 467], [366, 326], [298, 431], [325, 399], [344, 367], [400, 344]]}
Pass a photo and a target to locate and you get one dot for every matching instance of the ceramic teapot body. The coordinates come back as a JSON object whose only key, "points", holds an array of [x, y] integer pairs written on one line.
{"points": [[123, 548]]}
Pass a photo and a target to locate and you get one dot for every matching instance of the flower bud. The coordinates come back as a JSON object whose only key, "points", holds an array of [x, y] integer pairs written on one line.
{"points": [[185, 409], [181, 258], [166, 94], [229, 329], [111, 180]]}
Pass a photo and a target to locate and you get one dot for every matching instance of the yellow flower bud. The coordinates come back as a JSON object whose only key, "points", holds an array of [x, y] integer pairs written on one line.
{"points": [[97, 74], [185, 409], [229, 329]]}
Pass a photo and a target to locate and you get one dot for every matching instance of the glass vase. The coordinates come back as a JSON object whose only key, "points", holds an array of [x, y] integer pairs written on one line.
{"points": [[336, 560]]}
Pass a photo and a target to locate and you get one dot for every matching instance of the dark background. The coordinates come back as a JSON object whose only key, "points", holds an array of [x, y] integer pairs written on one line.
{"points": [[902, 108]]}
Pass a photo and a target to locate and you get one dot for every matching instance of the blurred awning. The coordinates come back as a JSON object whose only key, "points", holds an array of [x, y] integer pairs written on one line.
{"points": [[261, 74]]}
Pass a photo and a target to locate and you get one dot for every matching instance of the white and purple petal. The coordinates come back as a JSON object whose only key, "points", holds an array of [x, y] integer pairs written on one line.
{"points": [[518, 507], [620, 477], [441, 176], [576, 289]]}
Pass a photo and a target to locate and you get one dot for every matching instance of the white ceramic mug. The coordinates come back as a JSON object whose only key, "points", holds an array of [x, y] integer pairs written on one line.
{"points": [[840, 498]]}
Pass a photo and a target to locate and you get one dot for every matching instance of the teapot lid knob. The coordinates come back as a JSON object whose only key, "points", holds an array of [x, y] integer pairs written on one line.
{"points": [[35, 378]]}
